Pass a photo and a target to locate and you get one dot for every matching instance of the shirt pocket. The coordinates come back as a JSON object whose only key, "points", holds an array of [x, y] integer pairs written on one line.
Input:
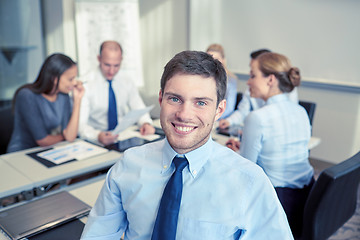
{"points": [[202, 230]]}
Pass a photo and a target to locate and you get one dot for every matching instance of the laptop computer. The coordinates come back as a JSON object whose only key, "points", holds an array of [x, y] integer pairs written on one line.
{"points": [[40, 215]]}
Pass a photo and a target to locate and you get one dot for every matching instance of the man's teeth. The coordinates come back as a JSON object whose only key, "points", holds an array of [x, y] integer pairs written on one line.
{"points": [[184, 129]]}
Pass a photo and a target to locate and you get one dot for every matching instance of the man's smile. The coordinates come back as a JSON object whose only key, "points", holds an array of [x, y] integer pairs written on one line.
{"points": [[183, 128]]}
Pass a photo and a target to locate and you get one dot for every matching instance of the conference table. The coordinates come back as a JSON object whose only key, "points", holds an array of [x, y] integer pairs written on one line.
{"points": [[20, 173]]}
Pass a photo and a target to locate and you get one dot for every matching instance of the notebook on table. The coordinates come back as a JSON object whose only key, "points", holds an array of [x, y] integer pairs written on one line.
{"points": [[40, 215]]}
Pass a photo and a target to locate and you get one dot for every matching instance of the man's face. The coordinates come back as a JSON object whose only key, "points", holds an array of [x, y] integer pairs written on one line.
{"points": [[110, 62], [188, 111]]}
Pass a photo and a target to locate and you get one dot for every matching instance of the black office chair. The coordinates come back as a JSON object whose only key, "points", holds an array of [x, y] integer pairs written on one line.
{"points": [[310, 109], [238, 98], [6, 127], [332, 200]]}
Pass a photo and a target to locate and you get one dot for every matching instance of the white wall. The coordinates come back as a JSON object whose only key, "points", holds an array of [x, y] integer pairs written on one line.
{"points": [[20, 41], [170, 26], [59, 27], [163, 33], [336, 122]]}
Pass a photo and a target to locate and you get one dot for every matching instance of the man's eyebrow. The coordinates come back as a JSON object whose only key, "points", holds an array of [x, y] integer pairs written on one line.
{"points": [[204, 99], [172, 94], [196, 98]]}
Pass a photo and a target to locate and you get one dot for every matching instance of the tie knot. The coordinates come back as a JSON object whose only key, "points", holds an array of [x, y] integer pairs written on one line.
{"points": [[180, 163], [110, 81]]}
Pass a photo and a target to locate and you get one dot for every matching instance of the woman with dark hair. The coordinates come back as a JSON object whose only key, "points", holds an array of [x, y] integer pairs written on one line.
{"points": [[43, 112], [276, 136]]}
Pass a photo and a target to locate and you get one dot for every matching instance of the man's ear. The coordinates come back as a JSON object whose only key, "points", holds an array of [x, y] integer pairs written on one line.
{"points": [[99, 58], [160, 97], [220, 109]]}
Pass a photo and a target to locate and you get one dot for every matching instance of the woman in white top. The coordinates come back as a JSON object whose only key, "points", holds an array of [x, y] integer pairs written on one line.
{"points": [[276, 136]]}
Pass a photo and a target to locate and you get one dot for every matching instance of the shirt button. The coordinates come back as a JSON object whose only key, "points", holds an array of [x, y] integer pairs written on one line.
{"points": [[165, 166], [194, 172]]}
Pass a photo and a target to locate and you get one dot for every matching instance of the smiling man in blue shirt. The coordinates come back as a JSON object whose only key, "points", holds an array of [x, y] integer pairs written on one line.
{"points": [[224, 195]]}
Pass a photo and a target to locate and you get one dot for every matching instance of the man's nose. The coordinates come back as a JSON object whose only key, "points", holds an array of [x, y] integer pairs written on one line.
{"points": [[184, 112], [112, 70]]}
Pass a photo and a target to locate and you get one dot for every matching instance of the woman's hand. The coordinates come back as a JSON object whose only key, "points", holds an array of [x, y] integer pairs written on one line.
{"points": [[78, 91], [223, 123], [147, 129], [233, 144]]}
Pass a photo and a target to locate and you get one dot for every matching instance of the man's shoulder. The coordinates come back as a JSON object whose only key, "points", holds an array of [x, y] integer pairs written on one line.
{"points": [[91, 76], [146, 149], [233, 160], [233, 168]]}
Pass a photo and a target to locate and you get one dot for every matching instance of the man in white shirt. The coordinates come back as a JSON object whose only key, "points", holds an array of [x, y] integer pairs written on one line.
{"points": [[94, 124]]}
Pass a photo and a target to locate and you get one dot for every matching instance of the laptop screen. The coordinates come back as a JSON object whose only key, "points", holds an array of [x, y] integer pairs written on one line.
{"points": [[41, 214]]}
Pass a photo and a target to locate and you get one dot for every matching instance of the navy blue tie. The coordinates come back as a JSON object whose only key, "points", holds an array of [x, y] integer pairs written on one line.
{"points": [[167, 217], [112, 113]]}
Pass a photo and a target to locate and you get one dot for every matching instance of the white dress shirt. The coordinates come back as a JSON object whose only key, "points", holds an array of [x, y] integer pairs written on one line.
{"points": [[95, 103]]}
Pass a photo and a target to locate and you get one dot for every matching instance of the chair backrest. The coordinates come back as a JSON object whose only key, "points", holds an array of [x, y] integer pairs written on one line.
{"points": [[310, 109], [6, 127], [332, 200], [238, 98]]}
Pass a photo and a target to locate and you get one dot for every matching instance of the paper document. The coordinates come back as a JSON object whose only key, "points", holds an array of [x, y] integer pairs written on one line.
{"points": [[77, 150], [130, 133], [131, 118]]}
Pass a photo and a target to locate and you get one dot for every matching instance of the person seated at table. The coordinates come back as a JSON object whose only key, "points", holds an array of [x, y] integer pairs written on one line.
{"points": [[109, 95], [187, 186], [276, 136], [247, 103], [217, 51], [43, 112]]}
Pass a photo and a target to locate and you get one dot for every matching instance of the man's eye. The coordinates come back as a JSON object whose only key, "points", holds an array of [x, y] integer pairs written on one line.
{"points": [[174, 99], [201, 103], [252, 75]]}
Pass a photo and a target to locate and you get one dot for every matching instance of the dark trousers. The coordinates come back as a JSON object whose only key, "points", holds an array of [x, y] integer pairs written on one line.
{"points": [[293, 201]]}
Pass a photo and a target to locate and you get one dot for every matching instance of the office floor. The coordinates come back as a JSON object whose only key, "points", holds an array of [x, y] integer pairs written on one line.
{"points": [[351, 229]]}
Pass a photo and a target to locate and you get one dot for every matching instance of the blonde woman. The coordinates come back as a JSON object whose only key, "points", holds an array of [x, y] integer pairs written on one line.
{"points": [[217, 51], [276, 136]]}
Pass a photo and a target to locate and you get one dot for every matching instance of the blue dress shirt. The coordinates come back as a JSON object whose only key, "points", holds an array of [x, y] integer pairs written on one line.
{"points": [[248, 104], [276, 137], [224, 196]]}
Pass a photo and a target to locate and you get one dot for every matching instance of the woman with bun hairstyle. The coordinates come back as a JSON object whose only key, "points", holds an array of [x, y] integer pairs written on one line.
{"points": [[43, 111], [276, 136]]}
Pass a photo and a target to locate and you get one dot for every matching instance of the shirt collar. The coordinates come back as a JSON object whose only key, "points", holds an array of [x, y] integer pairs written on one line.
{"points": [[196, 158], [103, 77], [277, 98]]}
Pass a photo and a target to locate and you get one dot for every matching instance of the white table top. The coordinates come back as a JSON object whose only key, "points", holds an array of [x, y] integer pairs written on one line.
{"points": [[87, 191], [29, 173], [11, 180]]}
